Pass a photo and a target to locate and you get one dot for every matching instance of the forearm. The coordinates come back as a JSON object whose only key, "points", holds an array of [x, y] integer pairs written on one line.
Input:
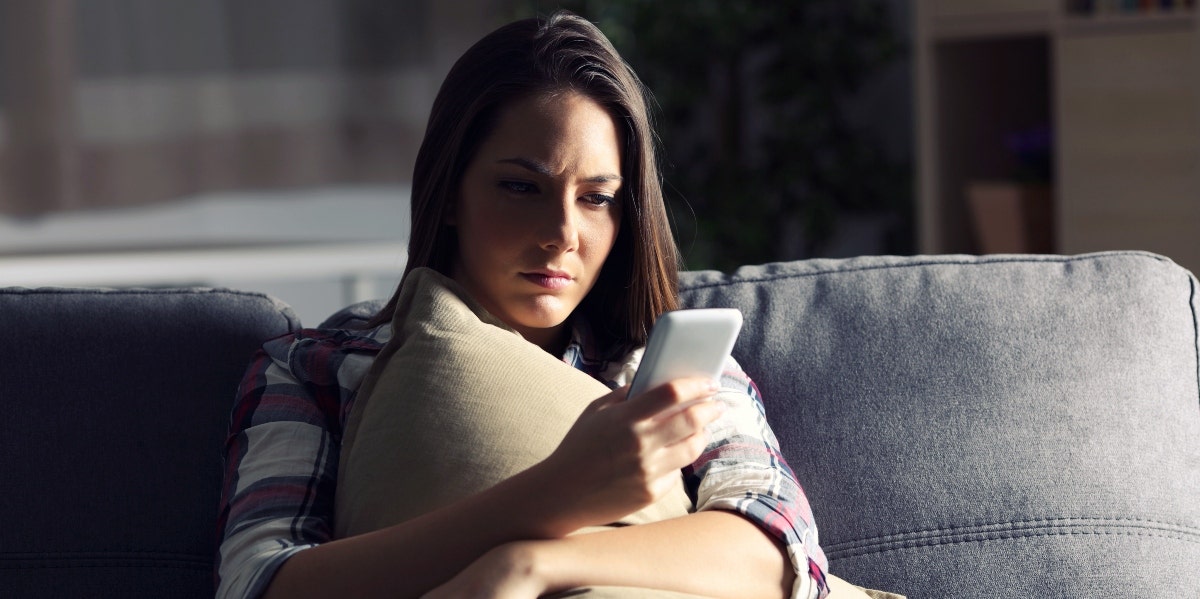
{"points": [[408, 559], [710, 553], [648, 440]]}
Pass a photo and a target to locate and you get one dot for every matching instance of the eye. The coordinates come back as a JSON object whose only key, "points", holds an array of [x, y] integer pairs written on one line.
{"points": [[600, 199], [518, 186]]}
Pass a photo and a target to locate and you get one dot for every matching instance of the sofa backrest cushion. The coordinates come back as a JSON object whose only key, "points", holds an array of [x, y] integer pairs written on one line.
{"points": [[1017, 426], [115, 407]]}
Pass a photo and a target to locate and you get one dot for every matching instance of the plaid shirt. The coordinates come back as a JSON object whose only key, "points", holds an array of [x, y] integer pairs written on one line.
{"points": [[286, 432]]}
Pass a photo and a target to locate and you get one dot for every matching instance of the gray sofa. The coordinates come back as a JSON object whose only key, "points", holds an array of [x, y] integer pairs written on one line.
{"points": [[1009, 426]]}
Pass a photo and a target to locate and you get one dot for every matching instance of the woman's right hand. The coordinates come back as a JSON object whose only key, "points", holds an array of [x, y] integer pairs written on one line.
{"points": [[623, 454]]}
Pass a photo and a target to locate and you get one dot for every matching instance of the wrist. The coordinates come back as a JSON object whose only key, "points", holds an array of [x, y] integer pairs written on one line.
{"points": [[557, 509], [526, 506], [541, 562]]}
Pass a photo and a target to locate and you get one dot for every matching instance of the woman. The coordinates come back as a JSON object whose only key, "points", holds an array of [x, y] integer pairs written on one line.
{"points": [[535, 189]]}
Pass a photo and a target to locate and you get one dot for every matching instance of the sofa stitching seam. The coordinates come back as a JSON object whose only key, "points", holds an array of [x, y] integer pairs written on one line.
{"points": [[95, 559], [884, 545], [923, 263], [293, 322], [980, 538], [1060, 522], [107, 564], [1195, 332], [127, 291], [119, 553]]}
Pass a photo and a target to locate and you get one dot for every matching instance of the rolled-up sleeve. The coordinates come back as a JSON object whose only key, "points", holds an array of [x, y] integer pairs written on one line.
{"points": [[743, 471]]}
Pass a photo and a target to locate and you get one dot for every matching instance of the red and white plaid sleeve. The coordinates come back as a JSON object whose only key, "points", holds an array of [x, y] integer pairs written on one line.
{"points": [[282, 453]]}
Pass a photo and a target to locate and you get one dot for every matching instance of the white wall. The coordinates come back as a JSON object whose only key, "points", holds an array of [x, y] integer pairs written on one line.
{"points": [[315, 249]]}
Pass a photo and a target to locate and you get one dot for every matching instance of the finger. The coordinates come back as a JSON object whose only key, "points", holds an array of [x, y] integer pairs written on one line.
{"points": [[702, 403], [667, 395], [686, 451], [677, 424], [608, 399]]}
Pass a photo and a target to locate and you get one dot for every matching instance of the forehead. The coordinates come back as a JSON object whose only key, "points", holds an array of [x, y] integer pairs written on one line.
{"points": [[562, 130]]}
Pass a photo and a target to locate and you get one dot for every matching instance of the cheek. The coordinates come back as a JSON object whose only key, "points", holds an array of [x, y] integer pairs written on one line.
{"points": [[612, 227], [492, 239], [479, 223], [602, 235]]}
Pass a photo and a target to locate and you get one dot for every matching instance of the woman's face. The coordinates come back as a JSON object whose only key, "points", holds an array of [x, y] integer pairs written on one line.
{"points": [[537, 213]]}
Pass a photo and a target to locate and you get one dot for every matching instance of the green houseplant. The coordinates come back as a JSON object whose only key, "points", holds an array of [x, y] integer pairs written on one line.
{"points": [[759, 155]]}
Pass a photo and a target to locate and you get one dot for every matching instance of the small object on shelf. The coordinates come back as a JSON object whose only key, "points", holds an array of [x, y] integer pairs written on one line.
{"points": [[1092, 8], [1010, 217]]}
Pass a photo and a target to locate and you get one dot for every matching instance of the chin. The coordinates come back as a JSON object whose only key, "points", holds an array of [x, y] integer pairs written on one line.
{"points": [[541, 321], [538, 330], [543, 312]]}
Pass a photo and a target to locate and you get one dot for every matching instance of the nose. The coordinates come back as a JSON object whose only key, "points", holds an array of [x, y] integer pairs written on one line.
{"points": [[560, 226]]}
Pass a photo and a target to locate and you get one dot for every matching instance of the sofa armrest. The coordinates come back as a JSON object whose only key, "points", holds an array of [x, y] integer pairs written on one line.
{"points": [[115, 410]]}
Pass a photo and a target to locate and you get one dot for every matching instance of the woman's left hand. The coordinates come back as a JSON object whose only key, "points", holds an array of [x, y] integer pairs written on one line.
{"points": [[506, 572]]}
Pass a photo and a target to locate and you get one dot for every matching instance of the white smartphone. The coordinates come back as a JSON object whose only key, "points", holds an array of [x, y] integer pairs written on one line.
{"points": [[687, 343]]}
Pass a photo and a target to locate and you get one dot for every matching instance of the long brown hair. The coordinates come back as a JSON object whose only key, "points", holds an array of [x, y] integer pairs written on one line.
{"points": [[562, 52]]}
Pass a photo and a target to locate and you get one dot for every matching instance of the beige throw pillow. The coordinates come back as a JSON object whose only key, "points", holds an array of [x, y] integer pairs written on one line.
{"points": [[455, 403]]}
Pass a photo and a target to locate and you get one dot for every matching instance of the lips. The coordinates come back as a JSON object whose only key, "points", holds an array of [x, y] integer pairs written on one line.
{"points": [[548, 279]]}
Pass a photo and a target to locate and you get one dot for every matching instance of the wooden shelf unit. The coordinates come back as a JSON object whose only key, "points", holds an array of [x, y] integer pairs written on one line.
{"points": [[1119, 92]]}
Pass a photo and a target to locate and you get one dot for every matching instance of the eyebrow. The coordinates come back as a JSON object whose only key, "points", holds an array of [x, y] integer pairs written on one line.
{"points": [[542, 169]]}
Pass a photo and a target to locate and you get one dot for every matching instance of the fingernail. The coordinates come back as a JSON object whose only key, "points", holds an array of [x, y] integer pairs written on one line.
{"points": [[714, 386]]}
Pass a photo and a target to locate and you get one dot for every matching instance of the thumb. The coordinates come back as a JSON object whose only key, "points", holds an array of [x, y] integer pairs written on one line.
{"points": [[611, 398]]}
